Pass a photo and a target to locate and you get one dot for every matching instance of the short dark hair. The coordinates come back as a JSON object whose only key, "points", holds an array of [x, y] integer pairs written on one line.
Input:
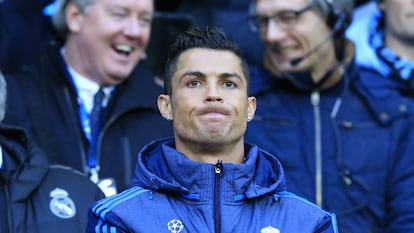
{"points": [[210, 38]]}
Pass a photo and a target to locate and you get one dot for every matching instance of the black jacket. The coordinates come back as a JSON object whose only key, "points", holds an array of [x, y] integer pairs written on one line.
{"points": [[36, 197], [43, 100]]}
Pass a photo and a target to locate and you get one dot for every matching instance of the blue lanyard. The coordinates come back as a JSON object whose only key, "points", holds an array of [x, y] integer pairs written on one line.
{"points": [[93, 139], [84, 120]]}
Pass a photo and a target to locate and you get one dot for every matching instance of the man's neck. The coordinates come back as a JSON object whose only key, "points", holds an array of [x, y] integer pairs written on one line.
{"points": [[211, 153], [400, 47]]}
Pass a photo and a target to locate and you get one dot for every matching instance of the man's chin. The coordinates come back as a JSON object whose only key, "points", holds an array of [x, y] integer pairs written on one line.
{"points": [[117, 78], [121, 73]]}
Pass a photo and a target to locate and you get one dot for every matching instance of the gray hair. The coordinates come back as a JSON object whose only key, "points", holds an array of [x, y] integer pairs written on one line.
{"points": [[59, 17], [3, 94]]}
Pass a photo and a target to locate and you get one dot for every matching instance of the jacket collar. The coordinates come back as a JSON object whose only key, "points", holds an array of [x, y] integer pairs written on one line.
{"points": [[161, 168]]}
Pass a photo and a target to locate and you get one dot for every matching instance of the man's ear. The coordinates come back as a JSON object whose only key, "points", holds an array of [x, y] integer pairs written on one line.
{"points": [[251, 109], [164, 106], [74, 17]]}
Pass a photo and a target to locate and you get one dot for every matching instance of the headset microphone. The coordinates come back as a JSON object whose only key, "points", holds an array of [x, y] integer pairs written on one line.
{"points": [[337, 27], [296, 61]]}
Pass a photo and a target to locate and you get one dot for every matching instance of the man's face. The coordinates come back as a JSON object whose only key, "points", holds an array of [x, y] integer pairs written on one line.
{"points": [[108, 38], [399, 18], [209, 103], [306, 32]]}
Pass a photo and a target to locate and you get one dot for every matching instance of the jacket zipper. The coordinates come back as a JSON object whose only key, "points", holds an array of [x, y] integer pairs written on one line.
{"points": [[315, 101], [125, 146], [218, 169], [8, 209], [78, 130]]}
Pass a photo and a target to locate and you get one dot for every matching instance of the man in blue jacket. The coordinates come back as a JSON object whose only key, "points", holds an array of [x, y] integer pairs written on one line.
{"points": [[97, 54], [207, 179], [344, 134], [383, 35]]}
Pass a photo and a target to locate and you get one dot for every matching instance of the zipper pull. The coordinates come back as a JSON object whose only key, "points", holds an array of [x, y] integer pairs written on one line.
{"points": [[315, 98], [218, 167]]}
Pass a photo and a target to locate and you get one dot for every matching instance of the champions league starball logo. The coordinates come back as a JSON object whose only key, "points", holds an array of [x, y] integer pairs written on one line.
{"points": [[61, 204], [269, 229], [175, 226]]}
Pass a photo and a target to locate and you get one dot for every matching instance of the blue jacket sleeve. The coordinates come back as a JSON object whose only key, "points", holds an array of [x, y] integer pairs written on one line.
{"points": [[104, 222], [328, 225]]}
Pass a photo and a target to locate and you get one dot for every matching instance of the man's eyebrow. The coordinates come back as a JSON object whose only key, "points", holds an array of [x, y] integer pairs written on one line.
{"points": [[191, 73], [233, 75], [229, 75], [201, 74]]}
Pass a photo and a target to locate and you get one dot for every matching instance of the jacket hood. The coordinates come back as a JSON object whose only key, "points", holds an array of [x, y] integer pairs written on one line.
{"points": [[365, 54], [163, 169], [24, 165]]}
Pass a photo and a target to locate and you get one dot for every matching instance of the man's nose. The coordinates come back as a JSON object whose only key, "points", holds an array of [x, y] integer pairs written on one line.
{"points": [[273, 31], [213, 93], [133, 28]]}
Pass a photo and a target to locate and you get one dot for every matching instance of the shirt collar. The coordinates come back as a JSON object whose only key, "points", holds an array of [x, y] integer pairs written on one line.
{"points": [[87, 89]]}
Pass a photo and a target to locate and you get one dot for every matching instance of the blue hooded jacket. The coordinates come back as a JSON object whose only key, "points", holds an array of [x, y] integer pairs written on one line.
{"points": [[171, 193], [367, 32]]}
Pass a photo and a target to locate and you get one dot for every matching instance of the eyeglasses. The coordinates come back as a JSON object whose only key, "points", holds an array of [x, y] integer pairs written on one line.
{"points": [[284, 19]]}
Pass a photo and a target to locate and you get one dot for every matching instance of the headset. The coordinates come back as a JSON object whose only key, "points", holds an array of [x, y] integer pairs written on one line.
{"points": [[338, 20]]}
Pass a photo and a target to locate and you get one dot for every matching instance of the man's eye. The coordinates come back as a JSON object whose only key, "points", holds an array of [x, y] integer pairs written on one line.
{"points": [[286, 17], [118, 14], [193, 83], [229, 84], [262, 20], [145, 20]]}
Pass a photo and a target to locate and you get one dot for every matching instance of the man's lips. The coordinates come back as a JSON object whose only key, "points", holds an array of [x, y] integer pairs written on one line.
{"points": [[214, 110], [123, 48], [213, 113]]}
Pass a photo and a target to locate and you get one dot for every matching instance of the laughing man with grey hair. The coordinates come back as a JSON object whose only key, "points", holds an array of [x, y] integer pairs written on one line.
{"points": [[90, 98]]}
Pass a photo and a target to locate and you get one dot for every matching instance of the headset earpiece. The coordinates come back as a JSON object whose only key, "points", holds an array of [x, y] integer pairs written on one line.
{"points": [[337, 19]]}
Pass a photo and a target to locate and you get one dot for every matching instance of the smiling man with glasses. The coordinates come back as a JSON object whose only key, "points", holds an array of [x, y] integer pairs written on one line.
{"points": [[344, 134]]}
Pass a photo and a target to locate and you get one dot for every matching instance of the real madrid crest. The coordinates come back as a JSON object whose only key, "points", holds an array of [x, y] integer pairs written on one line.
{"points": [[61, 204]]}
